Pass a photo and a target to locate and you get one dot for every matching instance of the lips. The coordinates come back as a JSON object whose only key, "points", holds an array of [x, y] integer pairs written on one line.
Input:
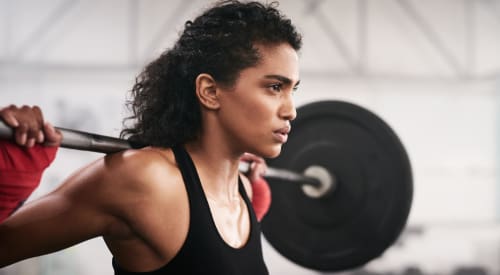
{"points": [[281, 135]]}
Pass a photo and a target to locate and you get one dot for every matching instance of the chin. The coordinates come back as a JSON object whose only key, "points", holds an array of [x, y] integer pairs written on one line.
{"points": [[272, 152]]}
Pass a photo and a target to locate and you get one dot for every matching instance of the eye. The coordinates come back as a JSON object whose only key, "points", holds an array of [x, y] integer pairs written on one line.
{"points": [[276, 87]]}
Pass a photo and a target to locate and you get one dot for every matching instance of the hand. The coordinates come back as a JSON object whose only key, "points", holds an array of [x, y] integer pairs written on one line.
{"points": [[29, 126], [22, 168], [258, 166], [261, 199]]}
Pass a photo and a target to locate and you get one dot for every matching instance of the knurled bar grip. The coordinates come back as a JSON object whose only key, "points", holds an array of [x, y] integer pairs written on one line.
{"points": [[73, 139]]}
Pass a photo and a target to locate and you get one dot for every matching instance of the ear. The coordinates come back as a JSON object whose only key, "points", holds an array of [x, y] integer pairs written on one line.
{"points": [[206, 91]]}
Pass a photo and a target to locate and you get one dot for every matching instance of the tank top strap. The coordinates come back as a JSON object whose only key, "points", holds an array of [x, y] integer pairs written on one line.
{"points": [[187, 168], [244, 195]]}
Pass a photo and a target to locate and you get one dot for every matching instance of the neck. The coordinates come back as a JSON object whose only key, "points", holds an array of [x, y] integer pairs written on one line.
{"points": [[217, 168]]}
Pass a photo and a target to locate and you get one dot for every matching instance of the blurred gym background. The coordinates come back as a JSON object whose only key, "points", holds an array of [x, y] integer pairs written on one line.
{"points": [[430, 68]]}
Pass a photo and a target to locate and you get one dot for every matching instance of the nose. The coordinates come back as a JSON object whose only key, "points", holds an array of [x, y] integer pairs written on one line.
{"points": [[287, 110]]}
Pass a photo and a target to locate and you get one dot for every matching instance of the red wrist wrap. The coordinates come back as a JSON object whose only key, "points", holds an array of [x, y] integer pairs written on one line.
{"points": [[20, 173], [261, 200]]}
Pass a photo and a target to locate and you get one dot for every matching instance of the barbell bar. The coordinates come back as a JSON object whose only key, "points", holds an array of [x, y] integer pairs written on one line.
{"points": [[85, 141]]}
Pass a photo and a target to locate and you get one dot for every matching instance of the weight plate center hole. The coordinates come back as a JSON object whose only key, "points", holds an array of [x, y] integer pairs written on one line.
{"points": [[327, 182]]}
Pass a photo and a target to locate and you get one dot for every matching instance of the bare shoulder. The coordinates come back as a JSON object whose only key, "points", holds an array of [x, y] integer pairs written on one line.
{"points": [[127, 181], [139, 188], [128, 169], [143, 174], [140, 168]]}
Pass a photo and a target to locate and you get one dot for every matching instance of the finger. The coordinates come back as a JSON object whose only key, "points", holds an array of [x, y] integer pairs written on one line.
{"points": [[33, 133], [257, 171], [8, 117], [39, 119], [40, 137], [260, 164], [53, 137], [30, 142], [21, 133], [39, 115]]}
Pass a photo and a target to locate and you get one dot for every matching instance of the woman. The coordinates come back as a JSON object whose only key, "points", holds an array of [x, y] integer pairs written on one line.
{"points": [[179, 206]]}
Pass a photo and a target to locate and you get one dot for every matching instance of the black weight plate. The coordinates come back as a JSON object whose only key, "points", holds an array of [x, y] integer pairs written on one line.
{"points": [[371, 203]]}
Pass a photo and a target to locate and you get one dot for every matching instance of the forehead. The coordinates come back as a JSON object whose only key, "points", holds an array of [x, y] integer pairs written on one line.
{"points": [[279, 59]]}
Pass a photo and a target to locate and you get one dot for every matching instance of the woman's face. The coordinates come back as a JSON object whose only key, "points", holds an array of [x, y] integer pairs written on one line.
{"points": [[256, 112]]}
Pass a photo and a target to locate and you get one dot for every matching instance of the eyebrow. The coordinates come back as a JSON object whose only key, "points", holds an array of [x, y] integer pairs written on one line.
{"points": [[281, 78]]}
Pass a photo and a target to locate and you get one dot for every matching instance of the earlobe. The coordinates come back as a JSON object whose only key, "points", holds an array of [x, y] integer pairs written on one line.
{"points": [[206, 91]]}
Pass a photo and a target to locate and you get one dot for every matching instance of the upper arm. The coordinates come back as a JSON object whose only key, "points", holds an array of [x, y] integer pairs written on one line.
{"points": [[49, 224], [85, 206]]}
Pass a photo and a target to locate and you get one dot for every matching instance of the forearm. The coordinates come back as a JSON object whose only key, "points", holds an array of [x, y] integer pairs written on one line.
{"points": [[47, 225]]}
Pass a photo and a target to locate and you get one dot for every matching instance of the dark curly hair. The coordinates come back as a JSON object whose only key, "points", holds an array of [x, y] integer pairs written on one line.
{"points": [[220, 42]]}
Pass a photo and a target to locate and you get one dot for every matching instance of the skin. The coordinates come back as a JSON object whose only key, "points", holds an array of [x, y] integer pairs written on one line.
{"points": [[133, 197]]}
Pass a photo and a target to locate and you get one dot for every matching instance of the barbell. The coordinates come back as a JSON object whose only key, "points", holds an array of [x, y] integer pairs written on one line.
{"points": [[342, 186]]}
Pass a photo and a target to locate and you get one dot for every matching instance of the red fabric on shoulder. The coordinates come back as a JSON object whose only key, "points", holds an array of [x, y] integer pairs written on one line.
{"points": [[20, 173], [261, 199]]}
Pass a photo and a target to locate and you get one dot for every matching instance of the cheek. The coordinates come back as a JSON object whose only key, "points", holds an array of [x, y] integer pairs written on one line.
{"points": [[249, 118], [259, 114], [253, 107]]}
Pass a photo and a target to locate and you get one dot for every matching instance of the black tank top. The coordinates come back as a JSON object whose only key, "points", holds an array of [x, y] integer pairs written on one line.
{"points": [[204, 251]]}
